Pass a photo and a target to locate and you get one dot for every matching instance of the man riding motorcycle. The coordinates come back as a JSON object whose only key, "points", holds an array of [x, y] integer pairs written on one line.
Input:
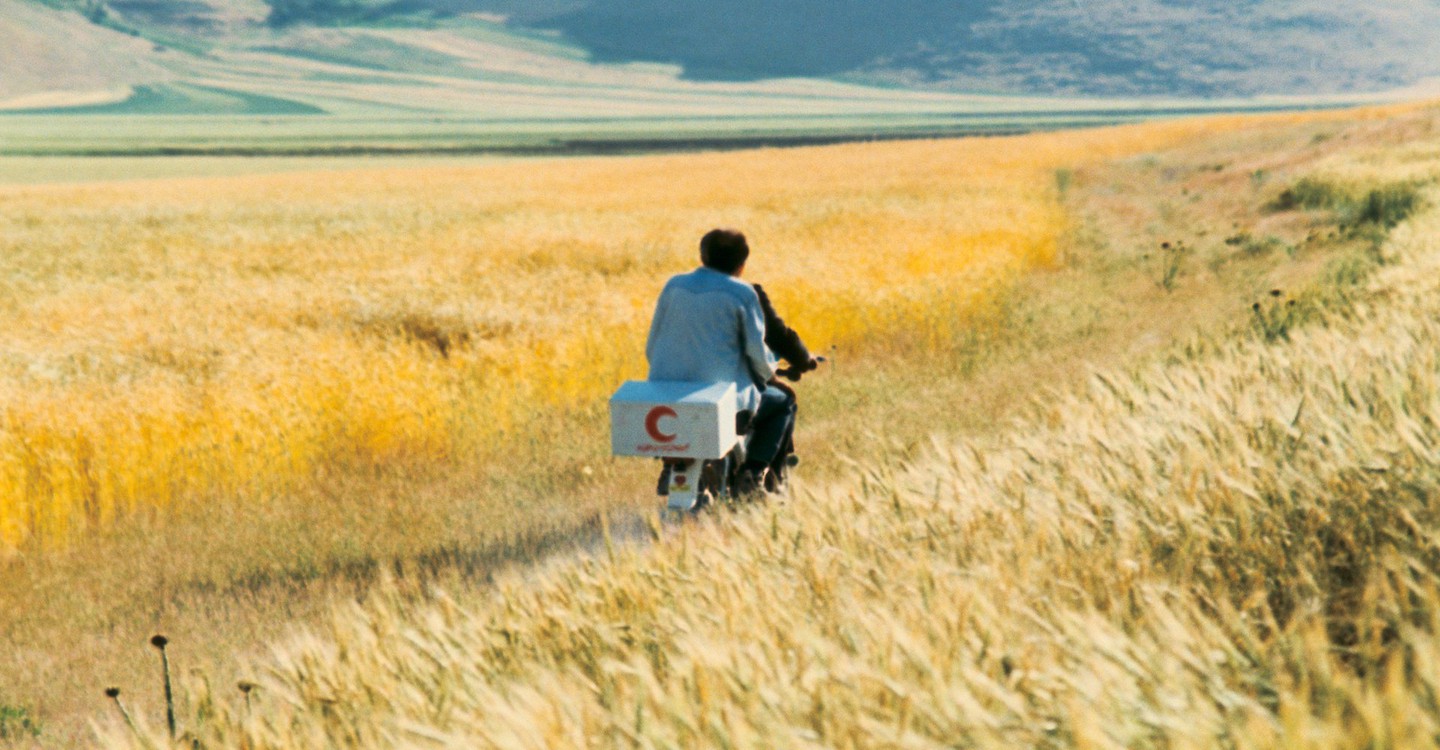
{"points": [[711, 327]]}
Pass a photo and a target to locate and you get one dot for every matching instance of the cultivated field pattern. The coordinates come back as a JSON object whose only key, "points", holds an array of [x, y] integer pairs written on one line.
{"points": [[211, 77]]}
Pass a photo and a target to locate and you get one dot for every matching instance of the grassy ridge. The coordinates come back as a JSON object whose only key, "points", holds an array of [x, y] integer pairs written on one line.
{"points": [[1236, 548]]}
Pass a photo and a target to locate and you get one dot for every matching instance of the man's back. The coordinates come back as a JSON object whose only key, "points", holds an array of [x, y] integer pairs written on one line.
{"points": [[709, 328]]}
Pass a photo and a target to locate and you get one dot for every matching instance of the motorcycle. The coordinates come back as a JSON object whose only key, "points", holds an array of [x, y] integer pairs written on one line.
{"points": [[692, 484]]}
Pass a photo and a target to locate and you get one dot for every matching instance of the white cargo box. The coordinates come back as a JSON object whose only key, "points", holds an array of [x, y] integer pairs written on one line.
{"points": [[680, 420]]}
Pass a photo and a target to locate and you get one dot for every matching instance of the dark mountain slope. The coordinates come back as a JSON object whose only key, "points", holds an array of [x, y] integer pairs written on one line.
{"points": [[738, 39], [1205, 47]]}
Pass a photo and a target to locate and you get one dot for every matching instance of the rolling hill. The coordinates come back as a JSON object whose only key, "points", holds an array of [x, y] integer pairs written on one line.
{"points": [[93, 63], [566, 59], [1098, 47], [359, 60]]}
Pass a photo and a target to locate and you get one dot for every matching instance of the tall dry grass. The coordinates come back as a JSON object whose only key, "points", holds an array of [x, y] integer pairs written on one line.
{"points": [[1232, 549], [175, 339]]}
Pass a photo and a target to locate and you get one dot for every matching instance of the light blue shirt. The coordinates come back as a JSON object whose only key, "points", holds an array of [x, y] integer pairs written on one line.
{"points": [[709, 328]]}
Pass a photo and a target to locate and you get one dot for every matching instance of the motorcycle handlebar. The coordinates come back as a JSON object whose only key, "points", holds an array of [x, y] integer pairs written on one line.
{"points": [[793, 374]]}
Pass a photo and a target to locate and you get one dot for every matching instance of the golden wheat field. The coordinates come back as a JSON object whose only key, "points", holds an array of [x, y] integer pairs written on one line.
{"points": [[232, 403], [168, 339], [1233, 546]]}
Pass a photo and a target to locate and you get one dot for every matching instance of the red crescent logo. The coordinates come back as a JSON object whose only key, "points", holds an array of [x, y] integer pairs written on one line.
{"points": [[652, 424]]}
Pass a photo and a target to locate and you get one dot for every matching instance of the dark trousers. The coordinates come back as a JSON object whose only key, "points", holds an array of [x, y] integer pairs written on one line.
{"points": [[771, 425]]}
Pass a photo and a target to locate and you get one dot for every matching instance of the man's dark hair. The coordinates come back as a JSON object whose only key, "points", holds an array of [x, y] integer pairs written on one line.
{"points": [[724, 250]]}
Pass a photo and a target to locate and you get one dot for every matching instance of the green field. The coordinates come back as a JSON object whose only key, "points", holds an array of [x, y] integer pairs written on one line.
{"points": [[106, 130]]}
